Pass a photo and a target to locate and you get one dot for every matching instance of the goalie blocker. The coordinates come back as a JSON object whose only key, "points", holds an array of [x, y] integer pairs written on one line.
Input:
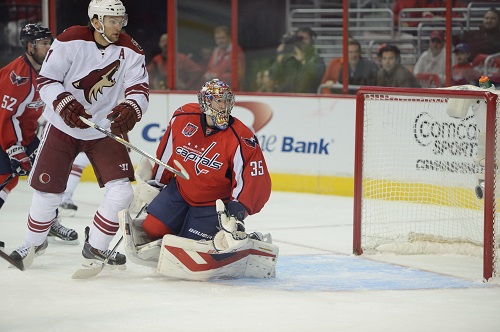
{"points": [[183, 258]]}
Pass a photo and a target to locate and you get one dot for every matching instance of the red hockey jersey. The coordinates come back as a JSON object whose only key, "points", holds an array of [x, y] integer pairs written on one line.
{"points": [[20, 103], [226, 164]]}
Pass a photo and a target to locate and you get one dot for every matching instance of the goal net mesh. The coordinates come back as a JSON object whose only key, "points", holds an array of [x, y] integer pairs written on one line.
{"points": [[418, 177]]}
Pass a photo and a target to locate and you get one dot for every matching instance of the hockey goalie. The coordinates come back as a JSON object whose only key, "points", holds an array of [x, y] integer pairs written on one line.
{"points": [[231, 253], [458, 108]]}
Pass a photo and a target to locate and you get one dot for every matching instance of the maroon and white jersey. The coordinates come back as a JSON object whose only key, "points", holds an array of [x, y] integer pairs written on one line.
{"points": [[226, 164], [20, 104], [97, 77]]}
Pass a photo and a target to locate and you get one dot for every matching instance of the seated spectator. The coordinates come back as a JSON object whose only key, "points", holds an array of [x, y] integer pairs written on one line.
{"points": [[434, 59], [188, 73], [297, 67], [463, 72], [402, 4], [393, 73], [361, 71], [486, 40], [220, 64]]}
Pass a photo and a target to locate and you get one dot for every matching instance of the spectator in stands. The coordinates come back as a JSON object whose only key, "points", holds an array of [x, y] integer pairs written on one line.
{"points": [[486, 40], [297, 67], [264, 82], [361, 71], [414, 4], [393, 73], [442, 4], [220, 64], [188, 72], [434, 59], [462, 72]]}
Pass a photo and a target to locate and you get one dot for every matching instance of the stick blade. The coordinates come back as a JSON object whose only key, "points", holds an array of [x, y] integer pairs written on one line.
{"points": [[87, 273], [183, 173]]}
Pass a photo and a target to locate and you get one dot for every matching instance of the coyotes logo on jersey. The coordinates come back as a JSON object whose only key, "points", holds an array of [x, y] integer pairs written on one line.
{"points": [[97, 80]]}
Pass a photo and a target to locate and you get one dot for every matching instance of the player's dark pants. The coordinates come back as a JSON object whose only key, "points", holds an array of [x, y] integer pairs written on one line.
{"points": [[193, 222]]}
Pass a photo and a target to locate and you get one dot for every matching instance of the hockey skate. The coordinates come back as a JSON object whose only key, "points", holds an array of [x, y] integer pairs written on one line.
{"points": [[25, 253], [58, 231], [95, 256], [67, 208]]}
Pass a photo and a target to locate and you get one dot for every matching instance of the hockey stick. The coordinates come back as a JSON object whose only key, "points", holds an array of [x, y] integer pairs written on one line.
{"points": [[7, 180], [181, 172], [92, 272]]}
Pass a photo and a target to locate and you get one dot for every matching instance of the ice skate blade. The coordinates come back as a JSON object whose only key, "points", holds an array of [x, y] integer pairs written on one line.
{"points": [[54, 239], [94, 263]]}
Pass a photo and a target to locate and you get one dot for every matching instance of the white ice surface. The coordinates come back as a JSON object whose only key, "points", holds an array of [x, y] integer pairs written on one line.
{"points": [[320, 286]]}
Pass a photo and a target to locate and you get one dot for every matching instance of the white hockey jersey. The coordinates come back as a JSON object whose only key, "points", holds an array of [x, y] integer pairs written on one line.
{"points": [[98, 78]]}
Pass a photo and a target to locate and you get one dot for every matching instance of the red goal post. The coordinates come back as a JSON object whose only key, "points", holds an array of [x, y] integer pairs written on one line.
{"points": [[416, 170]]}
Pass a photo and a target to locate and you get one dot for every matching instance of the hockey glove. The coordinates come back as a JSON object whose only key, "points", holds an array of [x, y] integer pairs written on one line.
{"points": [[19, 160], [70, 110], [232, 231], [124, 117]]}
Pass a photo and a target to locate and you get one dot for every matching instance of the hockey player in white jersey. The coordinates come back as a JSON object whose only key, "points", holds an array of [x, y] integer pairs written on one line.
{"points": [[85, 73]]}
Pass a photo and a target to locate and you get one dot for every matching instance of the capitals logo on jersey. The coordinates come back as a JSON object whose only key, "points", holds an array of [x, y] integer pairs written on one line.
{"points": [[251, 142], [18, 80], [97, 80], [189, 130]]}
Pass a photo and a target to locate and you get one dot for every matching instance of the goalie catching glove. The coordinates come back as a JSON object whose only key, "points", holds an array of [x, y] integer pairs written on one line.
{"points": [[19, 160], [70, 110], [232, 231], [124, 117]]}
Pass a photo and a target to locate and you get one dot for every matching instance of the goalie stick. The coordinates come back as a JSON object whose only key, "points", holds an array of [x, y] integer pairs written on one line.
{"points": [[181, 172]]}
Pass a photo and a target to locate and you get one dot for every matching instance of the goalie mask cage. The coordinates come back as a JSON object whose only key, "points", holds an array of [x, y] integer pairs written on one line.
{"points": [[415, 175]]}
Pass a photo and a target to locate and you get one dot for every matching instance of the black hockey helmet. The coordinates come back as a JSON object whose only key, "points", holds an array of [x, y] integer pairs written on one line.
{"points": [[33, 32]]}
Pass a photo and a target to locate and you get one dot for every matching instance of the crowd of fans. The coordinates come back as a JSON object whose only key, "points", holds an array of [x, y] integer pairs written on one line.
{"points": [[297, 66]]}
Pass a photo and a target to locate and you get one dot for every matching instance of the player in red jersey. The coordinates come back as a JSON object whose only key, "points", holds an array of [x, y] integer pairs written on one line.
{"points": [[21, 106], [224, 161]]}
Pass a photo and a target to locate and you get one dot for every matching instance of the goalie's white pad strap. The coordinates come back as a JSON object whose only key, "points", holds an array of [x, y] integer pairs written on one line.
{"points": [[198, 260]]}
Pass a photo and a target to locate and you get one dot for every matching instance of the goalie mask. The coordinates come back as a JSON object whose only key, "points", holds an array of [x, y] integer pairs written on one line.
{"points": [[102, 8], [216, 100]]}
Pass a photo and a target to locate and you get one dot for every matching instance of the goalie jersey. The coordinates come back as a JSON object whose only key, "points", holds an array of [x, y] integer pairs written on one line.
{"points": [[20, 105], [226, 164], [98, 77]]}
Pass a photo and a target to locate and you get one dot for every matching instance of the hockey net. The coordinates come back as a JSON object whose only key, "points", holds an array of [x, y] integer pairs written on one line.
{"points": [[416, 173]]}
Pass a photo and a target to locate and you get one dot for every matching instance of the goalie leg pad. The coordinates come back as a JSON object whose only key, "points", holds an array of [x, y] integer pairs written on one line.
{"points": [[183, 258]]}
